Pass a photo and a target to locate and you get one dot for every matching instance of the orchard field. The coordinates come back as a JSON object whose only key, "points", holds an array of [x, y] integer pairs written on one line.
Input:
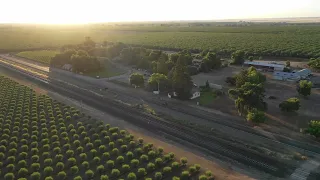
{"points": [[42, 138], [261, 40], [43, 56]]}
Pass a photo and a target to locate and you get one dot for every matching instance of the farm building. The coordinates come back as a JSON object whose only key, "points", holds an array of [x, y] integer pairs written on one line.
{"points": [[265, 66], [279, 75], [302, 74]]}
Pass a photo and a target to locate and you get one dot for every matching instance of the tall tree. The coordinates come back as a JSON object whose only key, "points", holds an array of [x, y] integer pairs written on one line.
{"points": [[162, 66], [181, 80]]}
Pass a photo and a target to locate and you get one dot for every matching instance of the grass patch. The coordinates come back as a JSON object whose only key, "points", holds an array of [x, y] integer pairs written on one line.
{"points": [[207, 97], [42, 56]]}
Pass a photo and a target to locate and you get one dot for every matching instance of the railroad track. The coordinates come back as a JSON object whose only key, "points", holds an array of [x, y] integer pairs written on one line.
{"points": [[302, 147]]}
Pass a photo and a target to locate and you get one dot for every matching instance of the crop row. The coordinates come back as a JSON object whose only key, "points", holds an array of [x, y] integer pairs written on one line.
{"points": [[42, 138], [295, 41]]}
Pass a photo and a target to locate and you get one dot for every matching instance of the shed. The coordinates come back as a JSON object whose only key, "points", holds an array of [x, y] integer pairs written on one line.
{"points": [[265, 65]]}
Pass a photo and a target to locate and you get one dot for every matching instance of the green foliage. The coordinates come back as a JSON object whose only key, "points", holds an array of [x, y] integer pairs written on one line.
{"points": [[314, 128], [238, 57], [256, 116], [290, 105], [43, 121], [131, 176], [304, 87], [314, 63], [43, 56], [248, 97], [181, 81], [158, 176], [157, 79], [137, 79]]}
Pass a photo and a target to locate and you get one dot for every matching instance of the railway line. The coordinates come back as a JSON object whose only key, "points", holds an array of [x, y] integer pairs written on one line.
{"points": [[154, 124]]}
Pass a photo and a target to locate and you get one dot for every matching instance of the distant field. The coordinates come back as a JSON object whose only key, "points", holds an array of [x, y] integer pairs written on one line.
{"points": [[43, 56], [260, 40]]}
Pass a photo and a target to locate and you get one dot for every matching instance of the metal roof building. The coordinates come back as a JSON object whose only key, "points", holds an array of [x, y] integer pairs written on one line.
{"points": [[264, 65]]}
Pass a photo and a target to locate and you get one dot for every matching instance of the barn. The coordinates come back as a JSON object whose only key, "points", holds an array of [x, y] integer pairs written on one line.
{"points": [[265, 66]]}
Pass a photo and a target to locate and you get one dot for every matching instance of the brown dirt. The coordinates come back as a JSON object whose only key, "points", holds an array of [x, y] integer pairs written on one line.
{"points": [[217, 170]]}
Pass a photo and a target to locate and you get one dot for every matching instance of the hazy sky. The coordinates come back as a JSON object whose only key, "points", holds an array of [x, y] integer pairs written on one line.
{"points": [[83, 11]]}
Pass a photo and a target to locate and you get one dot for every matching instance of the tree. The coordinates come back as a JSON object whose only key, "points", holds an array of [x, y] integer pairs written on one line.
{"points": [[174, 57], [290, 105], [256, 116], [314, 63], [212, 61], [250, 58], [238, 57], [254, 76], [137, 79], [248, 97], [287, 63], [314, 128], [158, 81], [181, 81], [304, 87]]}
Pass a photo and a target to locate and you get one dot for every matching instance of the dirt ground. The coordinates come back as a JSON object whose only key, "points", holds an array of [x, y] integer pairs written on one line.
{"points": [[278, 121]]}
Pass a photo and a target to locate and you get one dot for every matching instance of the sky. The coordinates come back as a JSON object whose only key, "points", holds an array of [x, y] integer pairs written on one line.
{"points": [[92, 11]]}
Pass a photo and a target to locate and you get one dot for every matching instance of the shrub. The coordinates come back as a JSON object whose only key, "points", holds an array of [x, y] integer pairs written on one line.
{"points": [[48, 162], [314, 128], [104, 177], [192, 169], [35, 176], [22, 163], [115, 173], [290, 105], [125, 168], [166, 170], [77, 178], [151, 167], [131, 176], [110, 164], [96, 160], [59, 157], [159, 161], [23, 172], [60, 166], [158, 176], [141, 172], [105, 155], [85, 164], [129, 155], [49, 178], [144, 158], [185, 175], [72, 161], [100, 168], [256, 116], [48, 170], [208, 174], [9, 176], [120, 159], [62, 175], [134, 162], [203, 177], [74, 169]]}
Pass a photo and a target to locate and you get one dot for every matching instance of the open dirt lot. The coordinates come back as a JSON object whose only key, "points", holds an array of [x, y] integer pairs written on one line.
{"points": [[282, 90]]}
